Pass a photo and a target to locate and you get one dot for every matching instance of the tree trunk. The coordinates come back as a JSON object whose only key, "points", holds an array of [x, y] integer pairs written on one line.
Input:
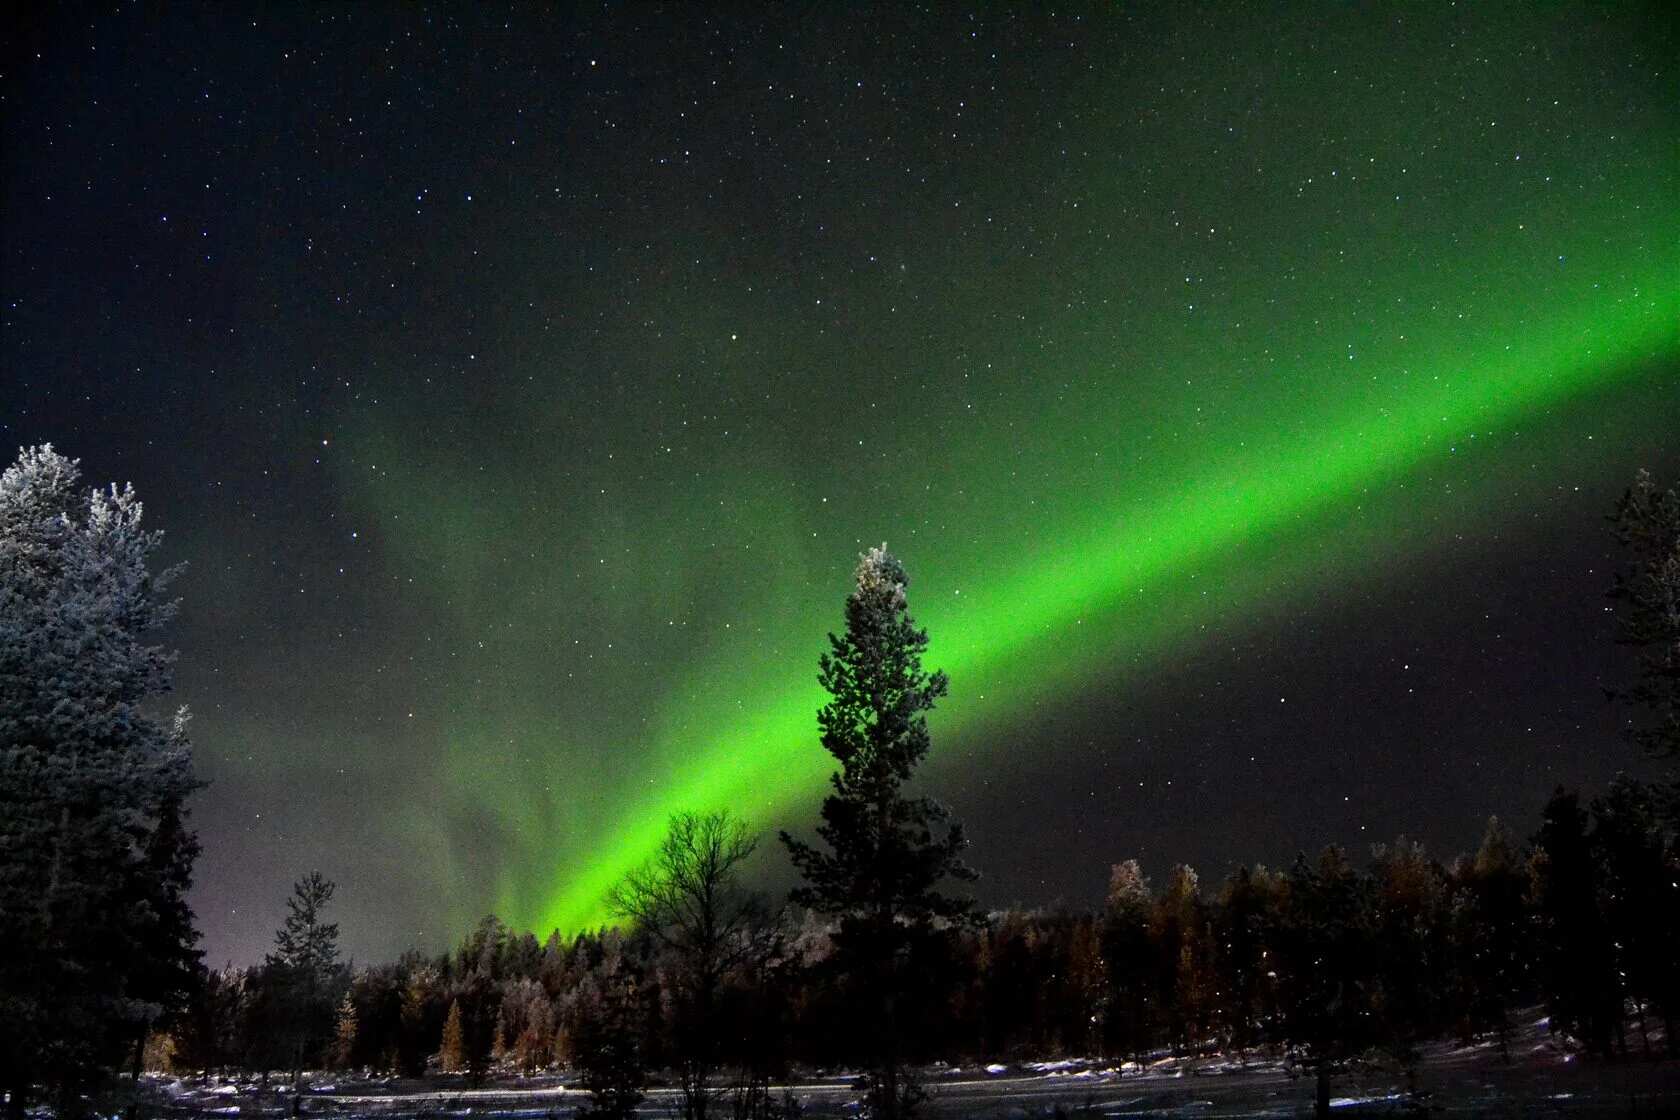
{"points": [[1321, 1096], [133, 1110]]}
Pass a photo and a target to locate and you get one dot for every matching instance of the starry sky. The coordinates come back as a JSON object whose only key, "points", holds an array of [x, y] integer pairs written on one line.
{"points": [[1245, 389]]}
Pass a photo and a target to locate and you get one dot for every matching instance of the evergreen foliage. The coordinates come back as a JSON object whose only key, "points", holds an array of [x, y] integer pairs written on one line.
{"points": [[345, 1030], [1490, 932], [452, 1050], [1583, 988], [1128, 948], [1647, 597], [886, 853], [1640, 894], [95, 853], [1325, 956], [302, 977], [610, 1056]]}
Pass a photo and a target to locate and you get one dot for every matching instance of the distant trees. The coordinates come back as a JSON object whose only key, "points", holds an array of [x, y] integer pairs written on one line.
{"points": [[484, 966], [1409, 938], [1491, 935], [1583, 990], [1245, 935], [95, 853], [1327, 962], [608, 1047], [526, 1025], [346, 1027], [1131, 1013], [452, 1049], [887, 853], [214, 1033], [1183, 967]]}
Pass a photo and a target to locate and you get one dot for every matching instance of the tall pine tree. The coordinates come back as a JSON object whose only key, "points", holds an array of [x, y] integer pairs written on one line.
{"points": [[887, 853], [95, 855], [303, 978]]}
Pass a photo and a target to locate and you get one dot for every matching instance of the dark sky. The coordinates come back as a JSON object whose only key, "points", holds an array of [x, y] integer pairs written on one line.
{"points": [[1244, 388]]}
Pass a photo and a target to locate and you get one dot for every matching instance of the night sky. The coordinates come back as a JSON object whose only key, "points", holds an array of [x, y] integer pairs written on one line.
{"points": [[1245, 391]]}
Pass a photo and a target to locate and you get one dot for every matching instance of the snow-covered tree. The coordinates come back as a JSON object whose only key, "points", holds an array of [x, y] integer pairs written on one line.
{"points": [[95, 855]]}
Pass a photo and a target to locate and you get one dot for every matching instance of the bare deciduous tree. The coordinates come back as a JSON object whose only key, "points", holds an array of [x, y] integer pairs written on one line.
{"points": [[689, 897]]}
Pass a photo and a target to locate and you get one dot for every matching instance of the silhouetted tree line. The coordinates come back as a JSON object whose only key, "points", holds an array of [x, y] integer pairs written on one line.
{"points": [[1326, 958]]}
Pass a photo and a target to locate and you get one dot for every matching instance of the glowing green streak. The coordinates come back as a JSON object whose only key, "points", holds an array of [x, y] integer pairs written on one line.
{"points": [[1108, 569]]}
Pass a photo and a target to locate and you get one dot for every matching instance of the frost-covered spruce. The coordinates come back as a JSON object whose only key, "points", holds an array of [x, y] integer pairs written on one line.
{"points": [[95, 857]]}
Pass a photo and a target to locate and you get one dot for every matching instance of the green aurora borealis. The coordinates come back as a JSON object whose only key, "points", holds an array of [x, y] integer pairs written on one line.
{"points": [[1242, 387], [1124, 538]]}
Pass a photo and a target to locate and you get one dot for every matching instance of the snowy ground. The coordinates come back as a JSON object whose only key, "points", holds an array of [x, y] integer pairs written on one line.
{"points": [[1542, 1079]]}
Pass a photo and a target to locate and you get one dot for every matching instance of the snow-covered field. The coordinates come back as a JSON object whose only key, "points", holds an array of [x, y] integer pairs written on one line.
{"points": [[1543, 1078]]}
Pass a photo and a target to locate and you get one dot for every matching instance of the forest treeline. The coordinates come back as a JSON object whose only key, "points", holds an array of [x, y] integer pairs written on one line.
{"points": [[876, 961], [1326, 955]]}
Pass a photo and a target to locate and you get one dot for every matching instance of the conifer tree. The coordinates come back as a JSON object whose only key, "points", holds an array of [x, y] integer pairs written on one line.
{"points": [[1248, 911], [1647, 597], [452, 1053], [344, 1033], [420, 1016], [1087, 986], [1582, 985], [1129, 953], [887, 853], [1325, 954], [1641, 900], [302, 973], [1181, 957], [95, 855], [609, 1048], [1408, 930], [1491, 931]]}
